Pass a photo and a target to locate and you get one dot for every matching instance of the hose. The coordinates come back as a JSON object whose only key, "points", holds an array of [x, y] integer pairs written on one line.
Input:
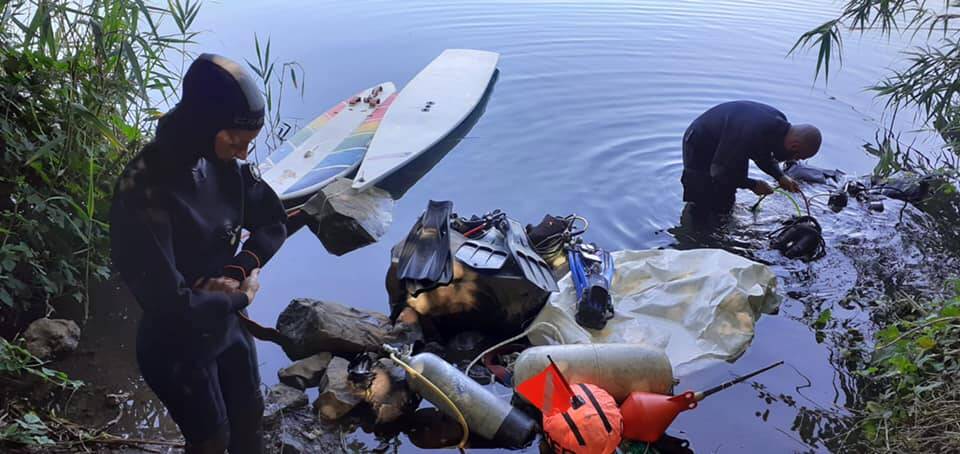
{"points": [[525, 333], [555, 243], [460, 418], [795, 204]]}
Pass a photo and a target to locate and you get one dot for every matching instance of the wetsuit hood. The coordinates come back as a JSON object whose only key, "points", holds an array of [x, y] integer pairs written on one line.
{"points": [[218, 94]]}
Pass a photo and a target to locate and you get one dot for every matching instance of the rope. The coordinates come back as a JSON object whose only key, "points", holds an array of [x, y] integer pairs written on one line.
{"points": [[460, 418]]}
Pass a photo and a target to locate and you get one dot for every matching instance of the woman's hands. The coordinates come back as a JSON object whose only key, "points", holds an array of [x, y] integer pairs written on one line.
{"points": [[250, 286]]}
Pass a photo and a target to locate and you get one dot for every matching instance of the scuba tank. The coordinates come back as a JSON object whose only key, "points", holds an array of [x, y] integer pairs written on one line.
{"points": [[620, 369], [486, 414]]}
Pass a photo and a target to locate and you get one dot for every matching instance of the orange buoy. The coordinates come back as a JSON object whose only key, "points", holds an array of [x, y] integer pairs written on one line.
{"points": [[592, 426], [646, 416]]}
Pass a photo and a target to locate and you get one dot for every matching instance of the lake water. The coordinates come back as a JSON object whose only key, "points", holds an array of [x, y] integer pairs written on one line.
{"points": [[586, 118]]}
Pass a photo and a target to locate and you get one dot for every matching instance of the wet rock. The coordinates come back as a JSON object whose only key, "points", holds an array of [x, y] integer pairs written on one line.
{"points": [[313, 326], [389, 396], [305, 373], [281, 399], [338, 395], [48, 338], [300, 432], [346, 219]]}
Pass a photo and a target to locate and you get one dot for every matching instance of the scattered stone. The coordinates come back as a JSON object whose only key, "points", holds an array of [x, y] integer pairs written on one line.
{"points": [[346, 219], [281, 399], [313, 326], [117, 399], [389, 396], [300, 432], [338, 395], [48, 338], [305, 373]]}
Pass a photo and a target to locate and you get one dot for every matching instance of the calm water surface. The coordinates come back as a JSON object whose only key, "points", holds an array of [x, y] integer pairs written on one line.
{"points": [[586, 118]]}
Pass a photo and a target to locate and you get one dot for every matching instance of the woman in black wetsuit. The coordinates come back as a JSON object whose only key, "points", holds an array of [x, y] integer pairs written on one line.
{"points": [[176, 220]]}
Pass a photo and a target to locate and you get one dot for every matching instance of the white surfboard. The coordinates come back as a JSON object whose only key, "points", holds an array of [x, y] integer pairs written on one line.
{"points": [[294, 170], [432, 105]]}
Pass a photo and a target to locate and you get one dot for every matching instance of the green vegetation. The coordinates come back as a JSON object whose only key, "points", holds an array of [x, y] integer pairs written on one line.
{"points": [[17, 365], [81, 84], [78, 82], [928, 84], [912, 379], [26, 430]]}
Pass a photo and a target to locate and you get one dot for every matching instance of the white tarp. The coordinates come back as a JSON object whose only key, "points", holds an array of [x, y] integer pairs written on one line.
{"points": [[699, 305]]}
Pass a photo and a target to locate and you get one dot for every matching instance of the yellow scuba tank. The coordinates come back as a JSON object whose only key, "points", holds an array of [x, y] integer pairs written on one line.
{"points": [[486, 414]]}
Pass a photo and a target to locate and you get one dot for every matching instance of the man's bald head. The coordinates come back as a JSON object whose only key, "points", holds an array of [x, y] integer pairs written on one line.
{"points": [[802, 141]]}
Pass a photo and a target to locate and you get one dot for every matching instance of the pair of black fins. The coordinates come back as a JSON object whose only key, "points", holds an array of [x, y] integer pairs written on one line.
{"points": [[426, 261]]}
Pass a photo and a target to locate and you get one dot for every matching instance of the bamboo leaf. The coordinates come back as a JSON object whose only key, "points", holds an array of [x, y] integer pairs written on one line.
{"points": [[39, 17], [98, 124], [136, 70], [256, 42], [43, 151]]}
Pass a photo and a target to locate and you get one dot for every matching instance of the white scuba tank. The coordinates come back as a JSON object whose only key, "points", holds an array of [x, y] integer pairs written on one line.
{"points": [[487, 415], [619, 369]]}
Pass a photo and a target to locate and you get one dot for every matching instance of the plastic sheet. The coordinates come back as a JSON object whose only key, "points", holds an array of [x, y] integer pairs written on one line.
{"points": [[699, 306]]}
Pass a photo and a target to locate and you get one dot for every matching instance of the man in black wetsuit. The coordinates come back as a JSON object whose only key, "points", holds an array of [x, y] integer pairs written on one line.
{"points": [[176, 220], [719, 144]]}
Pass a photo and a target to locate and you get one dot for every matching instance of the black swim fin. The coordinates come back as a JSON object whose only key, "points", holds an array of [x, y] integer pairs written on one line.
{"points": [[485, 253], [534, 268], [425, 260]]}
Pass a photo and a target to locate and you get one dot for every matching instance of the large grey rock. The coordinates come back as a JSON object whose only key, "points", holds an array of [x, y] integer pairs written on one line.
{"points": [[281, 399], [313, 326], [48, 338], [347, 219], [305, 373], [338, 395]]}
